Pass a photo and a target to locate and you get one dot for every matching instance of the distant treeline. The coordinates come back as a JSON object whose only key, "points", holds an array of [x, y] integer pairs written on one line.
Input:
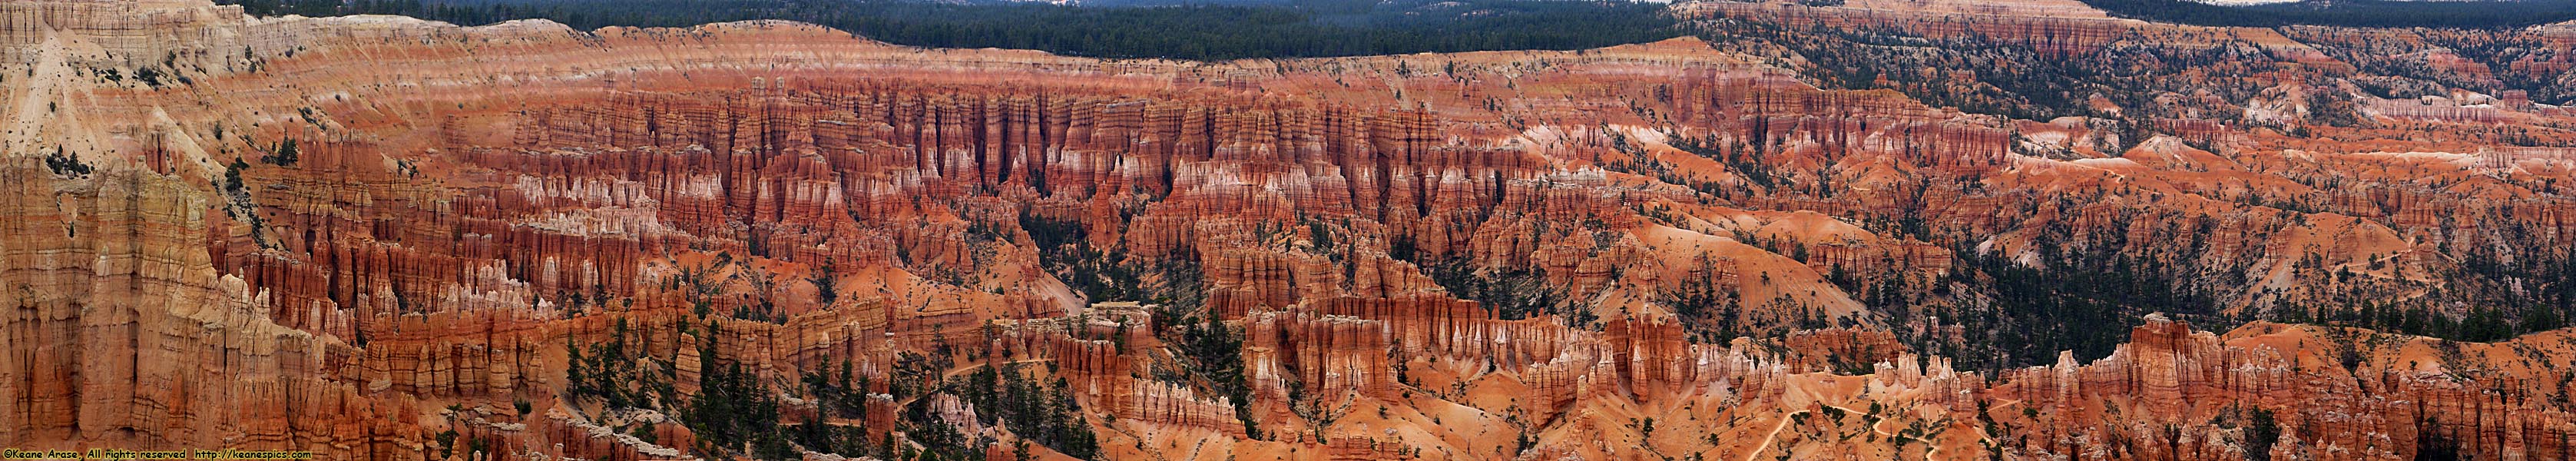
{"points": [[2351, 13], [1297, 28]]}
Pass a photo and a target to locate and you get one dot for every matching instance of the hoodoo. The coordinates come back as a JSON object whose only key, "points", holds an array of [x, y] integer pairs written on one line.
{"points": [[1863, 230]]}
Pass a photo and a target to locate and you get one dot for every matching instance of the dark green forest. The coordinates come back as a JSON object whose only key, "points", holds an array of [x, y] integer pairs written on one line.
{"points": [[2352, 13], [1297, 28]]}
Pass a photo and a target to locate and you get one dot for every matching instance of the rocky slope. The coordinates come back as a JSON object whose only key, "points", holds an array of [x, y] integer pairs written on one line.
{"points": [[381, 238]]}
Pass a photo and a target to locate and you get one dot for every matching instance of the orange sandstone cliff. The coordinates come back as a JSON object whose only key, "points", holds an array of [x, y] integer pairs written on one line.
{"points": [[383, 238]]}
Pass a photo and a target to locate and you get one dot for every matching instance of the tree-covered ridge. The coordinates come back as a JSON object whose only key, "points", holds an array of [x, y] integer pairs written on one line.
{"points": [[2352, 13], [1300, 28]]}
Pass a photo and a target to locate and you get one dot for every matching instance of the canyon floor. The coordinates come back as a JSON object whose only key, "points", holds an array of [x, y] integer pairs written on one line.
{"points": [[1880, 229]]}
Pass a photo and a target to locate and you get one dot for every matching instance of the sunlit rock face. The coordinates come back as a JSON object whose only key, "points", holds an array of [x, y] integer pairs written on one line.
{"points": [[382, 238]]}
